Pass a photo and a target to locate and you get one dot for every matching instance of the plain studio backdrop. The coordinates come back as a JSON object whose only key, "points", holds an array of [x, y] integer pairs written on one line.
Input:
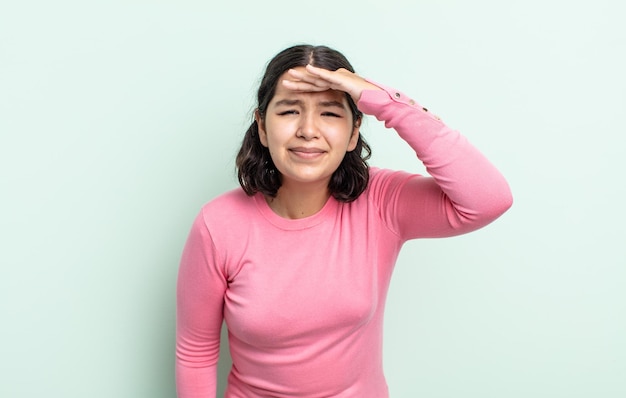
{"points": [[119, 119]]}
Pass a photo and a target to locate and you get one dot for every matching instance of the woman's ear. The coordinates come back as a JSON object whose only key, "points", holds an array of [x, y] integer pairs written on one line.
{"points": [[354, 138], [261, 127]]}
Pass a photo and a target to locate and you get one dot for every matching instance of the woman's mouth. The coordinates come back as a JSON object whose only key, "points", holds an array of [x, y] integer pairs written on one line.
{"points": [[307, 152]]}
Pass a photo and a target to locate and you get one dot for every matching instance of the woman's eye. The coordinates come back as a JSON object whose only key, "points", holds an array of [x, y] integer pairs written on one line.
{"points": [[288, 112], [330, 114]]}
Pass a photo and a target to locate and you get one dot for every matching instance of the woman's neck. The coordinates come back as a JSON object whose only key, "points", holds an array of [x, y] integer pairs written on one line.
{"points": [[299, 201]]}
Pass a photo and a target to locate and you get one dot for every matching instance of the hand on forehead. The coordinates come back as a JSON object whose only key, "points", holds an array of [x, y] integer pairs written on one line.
{"points": [[313, 79], [304, 79]]}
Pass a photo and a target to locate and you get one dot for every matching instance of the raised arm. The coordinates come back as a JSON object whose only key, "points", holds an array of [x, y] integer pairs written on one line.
{"points": [[466, 191]]}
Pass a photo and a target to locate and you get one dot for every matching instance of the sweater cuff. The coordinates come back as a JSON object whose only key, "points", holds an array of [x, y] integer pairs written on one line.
{"points": [[371, 100]]}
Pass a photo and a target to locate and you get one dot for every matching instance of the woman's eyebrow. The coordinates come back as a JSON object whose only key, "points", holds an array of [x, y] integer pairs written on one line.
{"points": [[288, 102], [325, 104], [332, 103]]}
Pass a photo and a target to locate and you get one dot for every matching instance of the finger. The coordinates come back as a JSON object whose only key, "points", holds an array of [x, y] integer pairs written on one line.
{"points": [[306, 81], [337, 77], [301, 76], [320, 72], [344, 80], [302, 86]]}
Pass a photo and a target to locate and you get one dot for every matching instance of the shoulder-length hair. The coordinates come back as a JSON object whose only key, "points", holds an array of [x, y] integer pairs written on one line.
{"points": [[256, 170]]}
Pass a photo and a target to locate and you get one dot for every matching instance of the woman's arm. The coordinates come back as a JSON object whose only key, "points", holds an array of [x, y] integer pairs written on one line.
{"points": [[199, 304], [466, 191]]}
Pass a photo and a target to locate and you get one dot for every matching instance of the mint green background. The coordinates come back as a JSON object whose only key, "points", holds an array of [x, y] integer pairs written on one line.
{"points": [[119, 119]]}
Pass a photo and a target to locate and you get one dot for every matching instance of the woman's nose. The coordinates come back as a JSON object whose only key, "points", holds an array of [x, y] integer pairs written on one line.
{"points": [[308, 128]]}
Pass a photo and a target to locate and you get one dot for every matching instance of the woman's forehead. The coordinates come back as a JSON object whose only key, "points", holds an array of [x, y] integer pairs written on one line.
{"points": [[285, 95]]}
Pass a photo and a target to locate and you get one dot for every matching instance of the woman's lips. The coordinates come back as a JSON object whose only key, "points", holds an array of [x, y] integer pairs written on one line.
{"points": [[307, 152]]}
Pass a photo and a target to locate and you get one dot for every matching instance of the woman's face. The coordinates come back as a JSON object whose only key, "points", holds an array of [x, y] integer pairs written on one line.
{"points": [[307, 133]]}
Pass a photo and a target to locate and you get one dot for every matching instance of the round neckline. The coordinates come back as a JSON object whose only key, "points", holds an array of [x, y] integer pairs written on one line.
{"points": [[298, 223]]}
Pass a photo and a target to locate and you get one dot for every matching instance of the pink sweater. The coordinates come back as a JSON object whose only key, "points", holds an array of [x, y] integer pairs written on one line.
{"points": [[304, 299]]}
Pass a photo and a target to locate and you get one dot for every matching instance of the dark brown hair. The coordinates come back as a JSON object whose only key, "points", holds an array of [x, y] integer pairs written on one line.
{"points": [[256, 170]]}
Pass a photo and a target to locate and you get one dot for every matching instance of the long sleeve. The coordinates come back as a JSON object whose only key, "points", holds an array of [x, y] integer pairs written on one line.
{"points": [[199, 315], [466, 191]]}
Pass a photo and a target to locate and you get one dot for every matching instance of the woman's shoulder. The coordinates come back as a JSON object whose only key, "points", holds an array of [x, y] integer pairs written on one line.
{"points": [[230, 205]]}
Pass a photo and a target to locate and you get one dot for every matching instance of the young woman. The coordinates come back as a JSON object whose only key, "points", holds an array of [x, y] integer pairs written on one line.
{"points": [[298, 262]]}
